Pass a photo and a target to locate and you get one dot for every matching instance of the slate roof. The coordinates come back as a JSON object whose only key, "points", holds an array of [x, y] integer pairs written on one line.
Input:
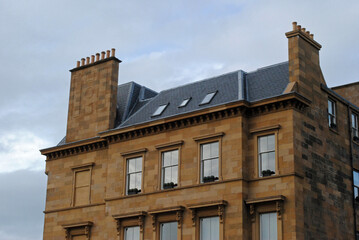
{"points": [[231, 87], [136, 104]]}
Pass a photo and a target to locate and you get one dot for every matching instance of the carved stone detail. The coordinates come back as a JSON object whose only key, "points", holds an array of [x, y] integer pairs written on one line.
{"points": [[221, 213], [279, 209], [179, 218], [252, 213], [141, 220], [154, 222], [194, 217]]}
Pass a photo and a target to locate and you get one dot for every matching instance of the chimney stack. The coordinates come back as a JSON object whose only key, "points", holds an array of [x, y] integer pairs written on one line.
{"points": [[93, 96], [304, 67]]}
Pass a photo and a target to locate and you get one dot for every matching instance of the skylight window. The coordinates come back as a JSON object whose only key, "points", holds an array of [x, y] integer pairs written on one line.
{"points": [[184, 102], [159, 110], [208, 98]]}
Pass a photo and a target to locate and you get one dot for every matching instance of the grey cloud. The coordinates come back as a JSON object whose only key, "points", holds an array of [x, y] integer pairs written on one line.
{"points": [[162, 44], [21, 204]]}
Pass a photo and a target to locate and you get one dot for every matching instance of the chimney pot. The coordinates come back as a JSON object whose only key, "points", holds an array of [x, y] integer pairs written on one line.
{"points": [[103, 55], [312, 36], [87, 60], [308, 32], [78, 64], [82, 61], [107, 53], [92, 58], [113, 52], [299, 27], [97, 57], [294, 26], [303, 30]]}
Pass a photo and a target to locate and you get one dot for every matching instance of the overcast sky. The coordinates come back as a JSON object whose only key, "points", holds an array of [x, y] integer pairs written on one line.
{"points": [[162, 44]]}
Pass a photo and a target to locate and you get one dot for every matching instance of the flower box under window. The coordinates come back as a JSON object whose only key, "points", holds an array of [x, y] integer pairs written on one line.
{"points": [[267, 173], [356, 138], [209, 179], [169, 185], [333, 125], [133, 191]]}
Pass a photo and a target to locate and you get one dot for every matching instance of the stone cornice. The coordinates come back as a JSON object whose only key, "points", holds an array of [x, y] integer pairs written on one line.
{"points": [[241, 108]]}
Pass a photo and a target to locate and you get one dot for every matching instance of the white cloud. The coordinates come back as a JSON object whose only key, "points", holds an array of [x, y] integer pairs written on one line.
{"points": [[20, 150]]}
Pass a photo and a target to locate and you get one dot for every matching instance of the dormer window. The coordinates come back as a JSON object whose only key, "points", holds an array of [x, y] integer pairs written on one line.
{"points": [[208, 98], [159, 110], [184, 102]]}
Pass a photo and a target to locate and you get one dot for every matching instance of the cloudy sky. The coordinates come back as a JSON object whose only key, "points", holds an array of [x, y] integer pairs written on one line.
{"points": [[162, 44]]}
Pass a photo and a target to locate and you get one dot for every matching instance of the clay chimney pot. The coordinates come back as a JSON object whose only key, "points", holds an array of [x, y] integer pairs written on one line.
{"points": [[87, 60], [78, 64], [92, 58], [103, 55], [107, 53], [299, 27], [294, 26], [82, 61], [97, 57], [112, 52]]}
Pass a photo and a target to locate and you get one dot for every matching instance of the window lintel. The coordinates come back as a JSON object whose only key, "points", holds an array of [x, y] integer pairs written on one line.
{"points": [[265, 129], [207, 205], [265, 199], [166, 210], [209, 136], [85, 165], [133, 152], [170, 144]]}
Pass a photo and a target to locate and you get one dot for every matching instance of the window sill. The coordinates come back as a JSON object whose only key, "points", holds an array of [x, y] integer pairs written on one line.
{"points": [[334, 130]]}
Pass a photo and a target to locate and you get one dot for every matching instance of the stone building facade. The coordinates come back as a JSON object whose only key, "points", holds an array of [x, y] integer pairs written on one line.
{"points": [[269, 154]]}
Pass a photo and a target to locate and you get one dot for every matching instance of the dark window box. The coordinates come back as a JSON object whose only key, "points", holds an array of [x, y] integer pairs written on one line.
{"points": [[209, 179], [169, 185], [267, 173], [333, 125], [133, 191], [356, 139], [357, 199]]}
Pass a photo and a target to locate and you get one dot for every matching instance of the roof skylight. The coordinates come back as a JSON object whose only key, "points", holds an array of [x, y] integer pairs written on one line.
{"points": [[159, 110], [184, 102], [208, 98]]}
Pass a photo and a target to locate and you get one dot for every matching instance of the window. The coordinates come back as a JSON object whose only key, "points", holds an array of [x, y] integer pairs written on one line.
{"points": [[331, 114], [168, 231], [209, 228], [159, 110], [134, 175], [78, 231], [266, 155], [209, 161], [184, 102], [208, 98], [169, 169], [355, 127], [81, 185], [132, 233], [268, 226], [356, 184]]}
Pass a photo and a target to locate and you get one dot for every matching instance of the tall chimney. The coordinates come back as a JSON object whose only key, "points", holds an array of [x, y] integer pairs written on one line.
{"points": [[93, 97], [304, 67]]}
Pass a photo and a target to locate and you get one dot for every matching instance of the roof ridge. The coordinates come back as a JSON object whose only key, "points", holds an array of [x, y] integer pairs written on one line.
{"points": [[269, 66], [199, 81]]}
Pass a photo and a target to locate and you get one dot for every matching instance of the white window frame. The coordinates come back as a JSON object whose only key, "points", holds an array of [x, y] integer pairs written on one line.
{"points": [[201, 228], [128, 174], [266, 152], [269, 214], [332, 119], [131, 227], [211, 158], [161, 228], [163, 168], [355, 128]]}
